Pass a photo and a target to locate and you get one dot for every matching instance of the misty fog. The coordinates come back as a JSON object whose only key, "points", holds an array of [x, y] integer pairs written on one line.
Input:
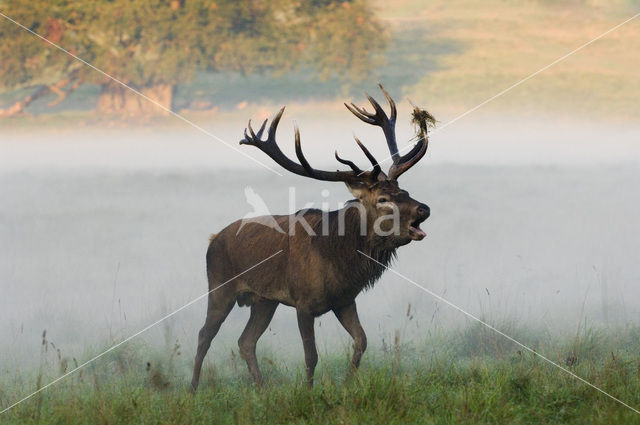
{"points": [[104, 231]]}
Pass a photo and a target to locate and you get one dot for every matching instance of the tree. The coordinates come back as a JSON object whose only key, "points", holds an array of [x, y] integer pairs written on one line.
{"points": [[153, 45]]}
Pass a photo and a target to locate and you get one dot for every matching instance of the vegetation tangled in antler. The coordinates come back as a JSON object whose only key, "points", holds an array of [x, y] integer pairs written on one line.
{"points": [[422, 121]]}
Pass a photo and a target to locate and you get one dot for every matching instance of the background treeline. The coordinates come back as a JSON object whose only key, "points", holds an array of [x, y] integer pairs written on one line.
{"points": [[198, 55], [154, 45]]}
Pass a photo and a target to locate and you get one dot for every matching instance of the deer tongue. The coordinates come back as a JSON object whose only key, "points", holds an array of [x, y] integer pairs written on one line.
{"points": [[418, 233]]}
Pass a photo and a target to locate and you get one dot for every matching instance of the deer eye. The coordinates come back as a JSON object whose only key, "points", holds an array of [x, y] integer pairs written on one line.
{"points": [[383, 200]]}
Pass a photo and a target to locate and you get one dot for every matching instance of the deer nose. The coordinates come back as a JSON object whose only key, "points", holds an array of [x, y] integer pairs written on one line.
{"points": [[423, 211]]}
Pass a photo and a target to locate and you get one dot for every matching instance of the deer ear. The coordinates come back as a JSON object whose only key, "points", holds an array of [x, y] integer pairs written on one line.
{"points": [[357, 189]]}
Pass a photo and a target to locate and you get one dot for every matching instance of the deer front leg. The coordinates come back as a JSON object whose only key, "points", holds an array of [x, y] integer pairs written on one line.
{"points": [[348, 317], [305, 324]]}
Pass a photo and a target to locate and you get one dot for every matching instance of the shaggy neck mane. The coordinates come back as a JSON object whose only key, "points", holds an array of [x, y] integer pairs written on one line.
{"points": [[342, 250]]}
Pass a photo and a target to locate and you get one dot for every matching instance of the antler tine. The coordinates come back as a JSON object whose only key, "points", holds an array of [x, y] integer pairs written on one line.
{"points": [[300, 155], [414, 150], [399, 168], [270, 146], [421, 119], [353, 166], [376, 167], [250, 140], [361, 113], [264, 123], [392, 104], [380, 118], [376, 106], [256, 139], [274, 125], [253, 135]]}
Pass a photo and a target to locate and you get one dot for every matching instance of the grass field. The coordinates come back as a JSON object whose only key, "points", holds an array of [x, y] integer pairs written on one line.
{"points": [[94, 256], [468, 376], [499, 42], [550, 246]]}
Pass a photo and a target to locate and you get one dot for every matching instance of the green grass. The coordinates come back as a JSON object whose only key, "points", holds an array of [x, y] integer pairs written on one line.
{"points": [[500, 42], [468, 376]]}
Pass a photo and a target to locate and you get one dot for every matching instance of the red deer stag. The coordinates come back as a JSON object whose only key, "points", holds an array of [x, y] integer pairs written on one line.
{"points": [[319, 268]]}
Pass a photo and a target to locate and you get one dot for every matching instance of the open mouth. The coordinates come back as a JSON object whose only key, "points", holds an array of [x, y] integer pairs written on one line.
{"points": [[415, 232]]}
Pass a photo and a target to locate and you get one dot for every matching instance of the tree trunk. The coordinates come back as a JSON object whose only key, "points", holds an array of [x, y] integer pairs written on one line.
{"points": [[20, 105], [57, 88], [117, 99]]}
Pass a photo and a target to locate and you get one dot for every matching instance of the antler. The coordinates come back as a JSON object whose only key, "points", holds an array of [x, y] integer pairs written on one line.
{"points": [[410, 159], [271, 148], [388, 124], [379, 118]]}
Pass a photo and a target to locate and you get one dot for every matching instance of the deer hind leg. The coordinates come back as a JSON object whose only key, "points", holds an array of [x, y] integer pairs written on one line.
{"points": [[220, 304], [348, 317], [261, 314], [305, 324]]}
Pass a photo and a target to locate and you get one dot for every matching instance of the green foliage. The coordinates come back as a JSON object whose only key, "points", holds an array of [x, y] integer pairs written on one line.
{"points": [[26, 60], [152, 42], [342, 37], [432, 385]]}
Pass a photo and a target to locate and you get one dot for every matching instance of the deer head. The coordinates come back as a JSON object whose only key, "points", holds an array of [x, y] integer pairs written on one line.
{"points": [[377, 192]]}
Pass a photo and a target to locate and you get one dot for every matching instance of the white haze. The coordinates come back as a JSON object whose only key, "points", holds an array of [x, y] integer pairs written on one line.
{"points": [[104, 231]]}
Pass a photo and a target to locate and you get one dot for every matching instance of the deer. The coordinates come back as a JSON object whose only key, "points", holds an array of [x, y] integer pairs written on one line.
{"points": [[322, 262]]}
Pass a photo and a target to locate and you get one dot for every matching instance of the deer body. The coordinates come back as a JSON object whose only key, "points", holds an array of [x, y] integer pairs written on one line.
{"points": [[315, 272], [319, 267]]}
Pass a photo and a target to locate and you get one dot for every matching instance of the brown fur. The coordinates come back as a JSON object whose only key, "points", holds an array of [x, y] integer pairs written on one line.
{"points": [[314, 274]]}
